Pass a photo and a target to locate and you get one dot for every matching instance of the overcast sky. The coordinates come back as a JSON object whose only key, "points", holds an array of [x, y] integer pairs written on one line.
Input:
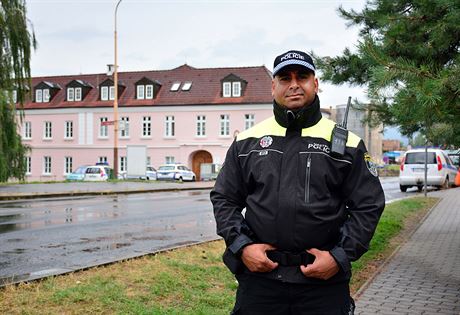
{"points": [[76, 36]]}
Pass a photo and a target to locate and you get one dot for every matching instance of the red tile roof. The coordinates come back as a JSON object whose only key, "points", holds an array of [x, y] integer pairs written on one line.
{"points": [[206, 87]]}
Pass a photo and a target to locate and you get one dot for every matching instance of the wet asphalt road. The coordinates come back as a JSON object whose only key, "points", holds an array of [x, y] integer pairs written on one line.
{"points": [[52, 236], [42, 237]]}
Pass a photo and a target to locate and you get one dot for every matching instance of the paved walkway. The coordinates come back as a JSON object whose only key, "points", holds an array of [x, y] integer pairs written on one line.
{"points": [[424, 276]]}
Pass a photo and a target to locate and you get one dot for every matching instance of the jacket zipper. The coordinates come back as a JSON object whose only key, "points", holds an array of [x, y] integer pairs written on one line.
{"points": [[307, 179]]}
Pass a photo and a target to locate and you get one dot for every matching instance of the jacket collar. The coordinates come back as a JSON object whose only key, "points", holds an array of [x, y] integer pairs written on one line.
{"points": [[304, 117]]}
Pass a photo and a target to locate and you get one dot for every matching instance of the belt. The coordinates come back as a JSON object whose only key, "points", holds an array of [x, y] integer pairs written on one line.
{"points": [[289, 258]]}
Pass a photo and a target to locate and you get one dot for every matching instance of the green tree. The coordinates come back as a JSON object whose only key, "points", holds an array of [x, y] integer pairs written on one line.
{"points": [[16, 44], [408, 58]]}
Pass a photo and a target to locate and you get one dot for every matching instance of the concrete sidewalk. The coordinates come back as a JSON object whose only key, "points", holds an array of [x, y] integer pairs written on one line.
{"points": [[65, 189], [424, 275]]}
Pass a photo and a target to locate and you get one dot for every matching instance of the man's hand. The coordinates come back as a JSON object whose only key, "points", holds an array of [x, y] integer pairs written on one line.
{"points": [[324, 266], [255, 258]]}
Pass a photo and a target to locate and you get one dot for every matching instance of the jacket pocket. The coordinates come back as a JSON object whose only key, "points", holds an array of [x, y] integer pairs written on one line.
{"points": [[307, 179]]}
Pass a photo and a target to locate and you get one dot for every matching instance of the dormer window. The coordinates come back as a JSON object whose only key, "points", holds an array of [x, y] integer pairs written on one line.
{"points": [[147, 89], [77, 90], [74, 94], [42, 95], [233, 86], [144, 92], [107, 90], [45, 91]]}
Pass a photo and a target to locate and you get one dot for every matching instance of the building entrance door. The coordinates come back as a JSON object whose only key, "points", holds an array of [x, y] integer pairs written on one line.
{"points": [[198, 158]]}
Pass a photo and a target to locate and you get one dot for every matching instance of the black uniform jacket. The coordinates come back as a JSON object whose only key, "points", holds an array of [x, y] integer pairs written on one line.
{"points": [[296, 194]]}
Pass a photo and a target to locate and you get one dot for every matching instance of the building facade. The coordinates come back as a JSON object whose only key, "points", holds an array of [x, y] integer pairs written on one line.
{"points": [[185, 115]]}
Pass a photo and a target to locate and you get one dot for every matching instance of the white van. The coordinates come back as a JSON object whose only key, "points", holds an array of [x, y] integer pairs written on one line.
{"points": [[441, 171]]}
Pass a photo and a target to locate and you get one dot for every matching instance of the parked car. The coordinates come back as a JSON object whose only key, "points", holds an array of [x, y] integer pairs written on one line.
{"points": [[97, 173], [441, 171], [151, 173], [78, 174], [178, 172]]}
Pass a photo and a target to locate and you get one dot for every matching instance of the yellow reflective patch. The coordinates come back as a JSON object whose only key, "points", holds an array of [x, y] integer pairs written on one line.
{"points": [[268, 127], [323, 129]]}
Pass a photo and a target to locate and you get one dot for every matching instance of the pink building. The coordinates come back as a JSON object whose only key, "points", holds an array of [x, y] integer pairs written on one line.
{"points": [[185, 115]]}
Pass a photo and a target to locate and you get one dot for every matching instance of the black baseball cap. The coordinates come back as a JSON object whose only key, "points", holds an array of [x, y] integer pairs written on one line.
{"points": [[293, 57]]}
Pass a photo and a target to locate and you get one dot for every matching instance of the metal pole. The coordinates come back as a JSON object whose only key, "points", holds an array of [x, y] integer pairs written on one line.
{"points": [[115, 101], [426, 167]]}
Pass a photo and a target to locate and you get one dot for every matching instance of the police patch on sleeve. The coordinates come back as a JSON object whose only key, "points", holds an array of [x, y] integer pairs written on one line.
{"points": [[266, 141], [370, 164]]}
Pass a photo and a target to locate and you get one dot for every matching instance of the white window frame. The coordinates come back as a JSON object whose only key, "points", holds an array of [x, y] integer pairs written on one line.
{"points": [[15, 96], [175, 86], [68, 133], [38, 96], [169, 160], [104, 93], [147, 126], [103, 130], [68, 162], [28, 162], [224, 125], [46, 95], [111, 93], [124, 132], [227, 89], [27, 130], [70, 94], [149, 91], [201, 126], [102, 159], [249, 120], [141, 92], [47, 165], [78, 94], [169, 127], [236, 89], [47, 130], [187, 86]]}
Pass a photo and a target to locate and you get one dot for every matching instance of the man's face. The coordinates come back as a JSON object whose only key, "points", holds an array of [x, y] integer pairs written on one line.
{"points": [[294, 87]]}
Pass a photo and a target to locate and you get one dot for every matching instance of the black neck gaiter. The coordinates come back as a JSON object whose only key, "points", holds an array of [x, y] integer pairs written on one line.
{"points": [[297, 119]]}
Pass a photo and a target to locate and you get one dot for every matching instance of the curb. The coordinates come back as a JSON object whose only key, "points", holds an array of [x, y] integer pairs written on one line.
{"points": [[44, 274], [5, 197]]}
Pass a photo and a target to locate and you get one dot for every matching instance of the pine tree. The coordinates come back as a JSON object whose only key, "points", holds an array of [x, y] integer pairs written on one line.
{"points": [[408, 58], [16, 43]]}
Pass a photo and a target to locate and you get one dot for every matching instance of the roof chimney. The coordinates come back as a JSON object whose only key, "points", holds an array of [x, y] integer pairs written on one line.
{"points": [[110, 69]]}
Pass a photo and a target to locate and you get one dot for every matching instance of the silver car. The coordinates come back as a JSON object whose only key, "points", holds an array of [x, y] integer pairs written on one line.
{"points": [[178, 172]]}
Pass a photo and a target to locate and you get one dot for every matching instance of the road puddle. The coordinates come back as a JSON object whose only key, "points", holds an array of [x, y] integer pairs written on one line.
{"points": [[105, 248]]}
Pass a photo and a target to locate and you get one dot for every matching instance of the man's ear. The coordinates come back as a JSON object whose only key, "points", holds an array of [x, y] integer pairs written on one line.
{"points": [[316, 85], [273, 87]]}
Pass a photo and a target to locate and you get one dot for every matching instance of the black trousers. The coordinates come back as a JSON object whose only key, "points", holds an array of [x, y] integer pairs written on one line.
{"points": [[258, 295]]}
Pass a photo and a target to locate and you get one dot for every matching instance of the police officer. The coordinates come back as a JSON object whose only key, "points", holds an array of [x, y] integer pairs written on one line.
{"points": [[309, 212]]}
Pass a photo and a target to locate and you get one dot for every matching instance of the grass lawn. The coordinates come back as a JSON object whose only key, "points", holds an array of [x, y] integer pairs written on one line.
{"points": [[191, 280]]}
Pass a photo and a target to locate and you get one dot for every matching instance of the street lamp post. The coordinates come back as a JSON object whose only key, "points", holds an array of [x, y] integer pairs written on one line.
{"points": [[115, 101]]}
